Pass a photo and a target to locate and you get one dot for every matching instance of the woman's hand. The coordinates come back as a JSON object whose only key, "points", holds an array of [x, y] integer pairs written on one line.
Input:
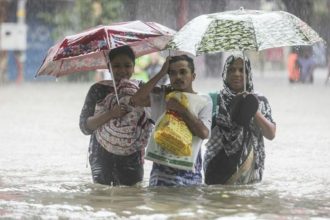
{"points": [[96, 121], [119, 111], [244, 93]]}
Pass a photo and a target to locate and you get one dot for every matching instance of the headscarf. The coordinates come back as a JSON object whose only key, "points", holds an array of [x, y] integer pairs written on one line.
{"points": [[227, 134], [229, 61]]}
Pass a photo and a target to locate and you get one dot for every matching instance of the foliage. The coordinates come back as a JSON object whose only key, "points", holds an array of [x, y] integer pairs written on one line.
{"points": [[75, 16]]}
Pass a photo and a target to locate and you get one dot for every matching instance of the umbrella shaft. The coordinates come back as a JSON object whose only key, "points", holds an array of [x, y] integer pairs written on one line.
{"points": [[244, 72]]}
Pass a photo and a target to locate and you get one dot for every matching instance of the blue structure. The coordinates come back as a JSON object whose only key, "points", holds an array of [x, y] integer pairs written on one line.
{"points": [[38, 39]]}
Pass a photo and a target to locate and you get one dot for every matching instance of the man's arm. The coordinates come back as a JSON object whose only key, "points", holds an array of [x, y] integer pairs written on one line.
{"points": [[141, 97], [195, 125]]}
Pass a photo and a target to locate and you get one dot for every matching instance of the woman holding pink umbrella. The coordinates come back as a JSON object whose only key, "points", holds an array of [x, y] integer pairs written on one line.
{"points": [[119, 133]]}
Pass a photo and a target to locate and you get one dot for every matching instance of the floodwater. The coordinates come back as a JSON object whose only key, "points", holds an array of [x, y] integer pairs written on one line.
{"points": [[43, 173]]}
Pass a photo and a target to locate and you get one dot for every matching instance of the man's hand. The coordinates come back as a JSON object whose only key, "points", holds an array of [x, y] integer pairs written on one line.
{"points": [[174, 105], [165, 67]]}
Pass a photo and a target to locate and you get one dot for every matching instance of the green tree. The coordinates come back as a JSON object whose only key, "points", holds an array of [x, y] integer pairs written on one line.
{"points": [[315, 13], [76, 16]]}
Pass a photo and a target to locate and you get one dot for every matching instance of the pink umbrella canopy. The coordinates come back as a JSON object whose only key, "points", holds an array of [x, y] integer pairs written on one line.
{"points": [[88, 50]]}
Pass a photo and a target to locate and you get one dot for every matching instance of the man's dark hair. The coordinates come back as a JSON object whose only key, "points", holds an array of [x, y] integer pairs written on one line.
{"points": [[126, 50], [184, 58]]}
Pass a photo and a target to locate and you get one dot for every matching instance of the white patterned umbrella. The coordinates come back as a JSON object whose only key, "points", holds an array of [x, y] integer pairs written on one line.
{"points": [[242, 30]]}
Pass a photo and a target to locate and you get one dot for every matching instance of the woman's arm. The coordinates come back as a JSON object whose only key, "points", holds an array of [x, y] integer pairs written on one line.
{"points": [[89, 121], [95, 121]]}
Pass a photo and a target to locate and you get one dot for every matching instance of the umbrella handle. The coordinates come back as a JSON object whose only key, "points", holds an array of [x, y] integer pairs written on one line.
{"points": [[114, 81]]}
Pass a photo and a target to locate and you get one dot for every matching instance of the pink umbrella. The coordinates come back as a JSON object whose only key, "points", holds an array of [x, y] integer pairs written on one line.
{"points": [[88, 50]]}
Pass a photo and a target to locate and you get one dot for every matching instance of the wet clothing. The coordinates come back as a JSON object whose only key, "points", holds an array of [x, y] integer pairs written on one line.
{"points": [[234, 154], [293, 68], [230, 145], [108, 168], [162, 175], [129, 133], [306, 65]]}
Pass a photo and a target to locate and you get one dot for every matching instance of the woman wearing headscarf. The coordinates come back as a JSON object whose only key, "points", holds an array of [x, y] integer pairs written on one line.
{"points": [[235, 151]]}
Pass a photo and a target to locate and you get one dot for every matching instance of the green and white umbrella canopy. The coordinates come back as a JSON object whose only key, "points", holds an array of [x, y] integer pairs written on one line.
{"points": [[242, 30]]}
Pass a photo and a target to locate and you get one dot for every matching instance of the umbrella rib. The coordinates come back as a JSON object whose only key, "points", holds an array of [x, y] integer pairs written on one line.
{"points": [[254, 34], [205, 30], [154, 28], [202, 35], [159, 30], [107, 38]]}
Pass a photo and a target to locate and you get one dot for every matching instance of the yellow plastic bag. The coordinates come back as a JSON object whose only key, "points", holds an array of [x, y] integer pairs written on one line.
{"points": [[172, 133]]}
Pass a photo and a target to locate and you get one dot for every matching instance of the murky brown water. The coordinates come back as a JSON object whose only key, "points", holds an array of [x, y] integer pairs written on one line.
{"points": [[43, 172]]}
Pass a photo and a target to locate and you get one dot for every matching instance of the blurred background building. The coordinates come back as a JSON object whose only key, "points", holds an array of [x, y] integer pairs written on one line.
{"points": [[29, 27]]}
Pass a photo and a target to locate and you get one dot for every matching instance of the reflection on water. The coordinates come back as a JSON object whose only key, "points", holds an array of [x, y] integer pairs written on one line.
{"points": [[43, 170], [83, 201]]}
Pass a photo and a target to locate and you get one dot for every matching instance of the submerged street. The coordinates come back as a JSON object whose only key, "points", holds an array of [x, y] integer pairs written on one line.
{"points": [[43, 160]]}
